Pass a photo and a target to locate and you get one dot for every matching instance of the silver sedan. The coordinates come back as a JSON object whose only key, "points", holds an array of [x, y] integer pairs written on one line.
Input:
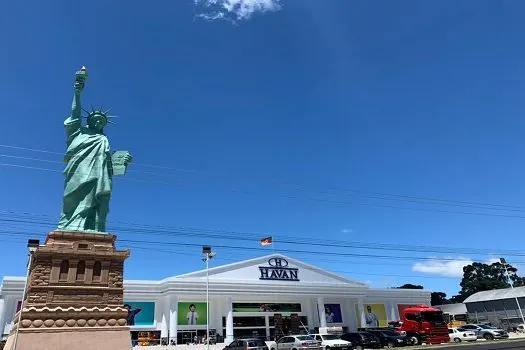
{"points": [[296, 342]]}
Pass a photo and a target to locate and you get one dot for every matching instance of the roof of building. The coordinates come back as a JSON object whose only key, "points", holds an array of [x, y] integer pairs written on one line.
{"points": [[496, 294], [238, 270], [453, 309]]}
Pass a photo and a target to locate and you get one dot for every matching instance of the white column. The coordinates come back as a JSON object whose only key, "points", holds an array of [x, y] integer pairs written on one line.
{"points": [[322, 312], [349, 314], [9, 313], [229, 321], [174, 300], [361, 311], [2, 316], [164, 326], [391, 313], [309, 314]]}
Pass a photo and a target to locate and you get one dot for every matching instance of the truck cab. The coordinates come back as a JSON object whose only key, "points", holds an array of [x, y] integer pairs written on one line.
{"points": [[422, 323]]}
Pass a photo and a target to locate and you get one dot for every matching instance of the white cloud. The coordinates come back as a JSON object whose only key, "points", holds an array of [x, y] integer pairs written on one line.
{"points": [[443, 267], [492, 261], [234, 10], [449, 267], [347, 230]]}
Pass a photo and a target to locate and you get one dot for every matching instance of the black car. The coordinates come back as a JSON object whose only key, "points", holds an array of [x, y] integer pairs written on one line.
{"points": [[389, 339], [362, 340]]}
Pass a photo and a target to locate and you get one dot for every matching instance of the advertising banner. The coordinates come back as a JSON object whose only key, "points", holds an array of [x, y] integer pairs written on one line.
{"points": [[140, 313], [333, 313], [375, 315], [266, 307], [192, 314]]}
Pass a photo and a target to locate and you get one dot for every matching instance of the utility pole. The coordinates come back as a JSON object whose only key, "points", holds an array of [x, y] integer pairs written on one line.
{"points": [[505, 265], [208, 255]]}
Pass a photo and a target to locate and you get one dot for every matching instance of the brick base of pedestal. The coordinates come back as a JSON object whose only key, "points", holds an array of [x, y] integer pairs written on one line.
{"points": [[74, 298], [72, 339]]}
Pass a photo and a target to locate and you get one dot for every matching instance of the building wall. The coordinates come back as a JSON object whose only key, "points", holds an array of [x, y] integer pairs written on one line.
{"points": [[243, 282], [220, 306]]}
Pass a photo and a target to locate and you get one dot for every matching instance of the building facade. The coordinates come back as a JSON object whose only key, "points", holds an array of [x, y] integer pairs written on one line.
{"points": [[264, 297], [500, 307]]}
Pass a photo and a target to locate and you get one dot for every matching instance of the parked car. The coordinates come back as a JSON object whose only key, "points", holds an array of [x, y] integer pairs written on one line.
{"points": [[332, 341], [296, 342], [389, 339], [458, 335], [484, 331], [247, 344], [362, 340]]}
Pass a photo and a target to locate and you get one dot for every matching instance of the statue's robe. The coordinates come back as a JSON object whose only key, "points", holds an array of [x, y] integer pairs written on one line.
{"points": [[88, 180]]}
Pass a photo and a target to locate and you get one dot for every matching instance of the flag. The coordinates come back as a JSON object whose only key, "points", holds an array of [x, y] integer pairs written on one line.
{"points": [[266, 241]]}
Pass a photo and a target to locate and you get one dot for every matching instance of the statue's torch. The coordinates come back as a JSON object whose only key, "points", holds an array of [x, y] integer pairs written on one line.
{"points": [[81, 77]]}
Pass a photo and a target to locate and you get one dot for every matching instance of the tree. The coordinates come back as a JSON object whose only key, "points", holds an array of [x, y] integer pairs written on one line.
{"points": [[438, 298], [479, 277], [410, 286]]}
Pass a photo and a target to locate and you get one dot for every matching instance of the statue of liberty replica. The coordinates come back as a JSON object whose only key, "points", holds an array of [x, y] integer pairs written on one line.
{"points": [[90, 166], [78, 272]]}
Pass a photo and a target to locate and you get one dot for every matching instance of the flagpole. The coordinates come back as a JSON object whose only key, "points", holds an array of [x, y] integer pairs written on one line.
{"points": [[273, 244]]}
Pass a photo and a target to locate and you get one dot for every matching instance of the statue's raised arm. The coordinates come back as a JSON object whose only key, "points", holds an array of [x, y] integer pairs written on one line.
{"points": [[74, 122]]}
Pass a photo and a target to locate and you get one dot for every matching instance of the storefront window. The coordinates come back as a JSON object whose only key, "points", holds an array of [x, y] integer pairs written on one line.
{"points": [[257, 321], [266, 307], [245, 333], [246, 321], [145, 338], [304, 320]]}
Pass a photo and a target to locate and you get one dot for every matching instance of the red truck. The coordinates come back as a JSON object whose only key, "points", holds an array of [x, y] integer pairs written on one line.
{"points": [[423, 324]]}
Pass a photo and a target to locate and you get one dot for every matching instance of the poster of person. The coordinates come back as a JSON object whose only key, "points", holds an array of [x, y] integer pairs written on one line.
{"points": [[333, 313], [191, 314], [140, 313], [375, 315]]}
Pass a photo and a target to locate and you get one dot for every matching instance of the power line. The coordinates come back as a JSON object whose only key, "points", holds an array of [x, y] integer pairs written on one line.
{"points": [[364, 194], [185, 254], [335, 271], [320, 200], [282, 250], [170, 231]]}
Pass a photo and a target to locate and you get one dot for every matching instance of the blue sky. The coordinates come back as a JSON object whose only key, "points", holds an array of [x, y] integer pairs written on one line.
{"points": [[270, 123]]}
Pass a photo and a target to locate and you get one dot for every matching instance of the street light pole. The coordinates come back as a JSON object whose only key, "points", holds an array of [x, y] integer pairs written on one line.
{"points": [[207, 303], [504, 263], [208, 255], [32, 245]]}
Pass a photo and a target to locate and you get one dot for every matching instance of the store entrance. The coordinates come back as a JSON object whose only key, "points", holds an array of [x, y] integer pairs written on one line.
{"points": [[286, 325]]}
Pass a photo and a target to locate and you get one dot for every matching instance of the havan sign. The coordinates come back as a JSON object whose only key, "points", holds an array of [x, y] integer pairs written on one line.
{"points": [[278, 270]]}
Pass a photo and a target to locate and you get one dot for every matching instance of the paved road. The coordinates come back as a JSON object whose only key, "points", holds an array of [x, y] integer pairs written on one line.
{"points": [[479, 345]]}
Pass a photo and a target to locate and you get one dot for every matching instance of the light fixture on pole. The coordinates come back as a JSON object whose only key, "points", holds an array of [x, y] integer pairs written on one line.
{"points": [[32, 245], [208, 255], [505, 266]]}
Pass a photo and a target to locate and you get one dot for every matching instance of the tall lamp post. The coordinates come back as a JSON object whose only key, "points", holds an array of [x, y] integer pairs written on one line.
{"points": [[32, 245], [505, 265], [208, 255]]}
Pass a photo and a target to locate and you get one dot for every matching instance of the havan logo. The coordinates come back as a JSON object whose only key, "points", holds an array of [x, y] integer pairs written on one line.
{"points": [[278, 270]]}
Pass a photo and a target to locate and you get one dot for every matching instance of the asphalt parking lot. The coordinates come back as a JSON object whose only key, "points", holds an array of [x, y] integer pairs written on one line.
{"points": [[478, 345]]}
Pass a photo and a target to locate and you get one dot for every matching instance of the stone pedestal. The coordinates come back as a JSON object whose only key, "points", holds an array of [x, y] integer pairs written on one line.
{"points": [[74, 296]]}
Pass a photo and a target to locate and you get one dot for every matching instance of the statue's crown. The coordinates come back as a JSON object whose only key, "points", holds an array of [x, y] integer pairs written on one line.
{"points": [[99, 112]]}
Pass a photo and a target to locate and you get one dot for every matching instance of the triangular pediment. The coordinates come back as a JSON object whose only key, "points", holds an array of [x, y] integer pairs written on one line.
{"points": [[275, 268]]}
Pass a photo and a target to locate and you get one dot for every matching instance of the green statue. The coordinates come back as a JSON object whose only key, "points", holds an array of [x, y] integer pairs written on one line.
{"points": [[90, 167]]}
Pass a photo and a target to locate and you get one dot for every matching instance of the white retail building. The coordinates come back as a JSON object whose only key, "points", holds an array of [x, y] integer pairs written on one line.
{"points": [[247, 298]]}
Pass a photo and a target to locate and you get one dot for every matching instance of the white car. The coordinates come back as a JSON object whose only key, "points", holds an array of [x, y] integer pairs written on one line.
{"points": [[459, 335], [332, 342]]}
